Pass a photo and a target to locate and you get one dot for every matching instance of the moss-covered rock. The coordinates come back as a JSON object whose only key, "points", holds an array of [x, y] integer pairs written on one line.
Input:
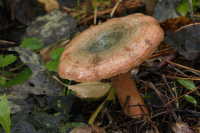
{"points": [[51, 28]]}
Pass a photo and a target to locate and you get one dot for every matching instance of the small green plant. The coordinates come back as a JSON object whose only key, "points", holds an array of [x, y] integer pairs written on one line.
{"points": [[29, 43], [64, 108], [5, 114], [190, 86], [55, 55], [19, 78], [5, 61]]}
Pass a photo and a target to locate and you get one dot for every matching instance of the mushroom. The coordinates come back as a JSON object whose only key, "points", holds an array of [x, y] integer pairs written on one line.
{"points": [[111, 50]]}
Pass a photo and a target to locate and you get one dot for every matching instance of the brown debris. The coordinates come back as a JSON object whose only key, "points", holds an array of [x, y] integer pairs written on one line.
{"points": [[88, 129], [181, 128], [175, 23]]}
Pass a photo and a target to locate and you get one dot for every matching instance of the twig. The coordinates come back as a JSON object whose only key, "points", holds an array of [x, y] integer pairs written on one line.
{"points": [[181, 96], [159, 65], [191, 78], [170, 62], [135, 4], [114, 8]]}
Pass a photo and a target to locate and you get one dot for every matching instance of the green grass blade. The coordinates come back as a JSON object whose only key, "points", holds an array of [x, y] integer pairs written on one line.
{"points": [[110, 97]]}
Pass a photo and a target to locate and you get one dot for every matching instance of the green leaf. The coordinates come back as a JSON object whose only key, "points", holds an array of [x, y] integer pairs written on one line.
{"points": [[31, 43], [52, 65], [190, 99], [19, 78], [6, 60], [187, 84], [5, 114], [56, 54], [184, 7]]}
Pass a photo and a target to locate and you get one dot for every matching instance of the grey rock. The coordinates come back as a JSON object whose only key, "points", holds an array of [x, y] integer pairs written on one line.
{"points": [[51, 28]]}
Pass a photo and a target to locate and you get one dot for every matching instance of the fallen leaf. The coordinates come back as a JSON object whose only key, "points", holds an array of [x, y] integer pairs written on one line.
{"points": [[181, 128], [90, 89], [185, 40]]}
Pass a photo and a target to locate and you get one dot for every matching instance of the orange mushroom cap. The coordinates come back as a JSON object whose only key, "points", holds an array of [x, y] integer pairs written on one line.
{"points": [[110, 48]]}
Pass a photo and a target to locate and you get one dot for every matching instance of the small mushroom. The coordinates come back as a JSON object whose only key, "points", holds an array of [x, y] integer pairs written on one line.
{"points": [[110, 50]]}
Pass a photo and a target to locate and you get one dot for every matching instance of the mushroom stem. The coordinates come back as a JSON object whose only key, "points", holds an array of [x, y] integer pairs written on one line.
{"points": [[125, 86]]}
